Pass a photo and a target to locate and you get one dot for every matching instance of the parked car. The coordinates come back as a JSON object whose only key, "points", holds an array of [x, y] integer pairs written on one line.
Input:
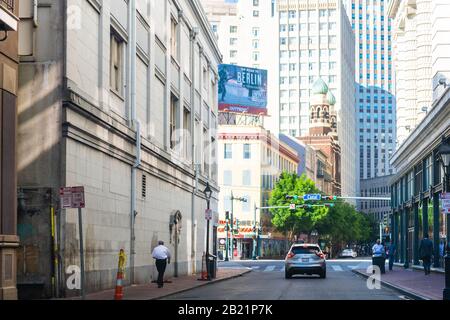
{"points": [[348, 253], [305, 259]]}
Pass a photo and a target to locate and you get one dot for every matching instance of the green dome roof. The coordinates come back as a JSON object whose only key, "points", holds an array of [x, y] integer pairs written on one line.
{"points": [[331, 98], [320, 87]]}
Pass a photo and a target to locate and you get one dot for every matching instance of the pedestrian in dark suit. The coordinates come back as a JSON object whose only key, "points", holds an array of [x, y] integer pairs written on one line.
{"points": [[392, 251], [162, 256], [426, 252]]}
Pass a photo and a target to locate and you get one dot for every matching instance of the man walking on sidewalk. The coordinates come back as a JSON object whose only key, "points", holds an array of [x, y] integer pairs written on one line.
{"points": [[426, 251], [162, 256], [392, 251]]}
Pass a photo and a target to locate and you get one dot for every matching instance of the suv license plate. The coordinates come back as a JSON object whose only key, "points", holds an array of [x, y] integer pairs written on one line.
{"points": [[305, 260]]}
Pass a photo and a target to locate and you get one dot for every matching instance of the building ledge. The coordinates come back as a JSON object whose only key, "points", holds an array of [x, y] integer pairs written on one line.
{"points": [[8, 21]]}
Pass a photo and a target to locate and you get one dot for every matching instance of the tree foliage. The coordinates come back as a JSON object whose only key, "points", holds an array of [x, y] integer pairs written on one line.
{"points": [[294, 221], [341, 224]]}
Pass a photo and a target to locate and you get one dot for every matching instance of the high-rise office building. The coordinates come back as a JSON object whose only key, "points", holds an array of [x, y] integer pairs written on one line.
{"points": [[316, 41], [375, 102], [420, 33], [246, 33]]}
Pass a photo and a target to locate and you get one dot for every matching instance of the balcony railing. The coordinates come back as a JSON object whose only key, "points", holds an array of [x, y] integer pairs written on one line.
{"points": [[8, 4]]}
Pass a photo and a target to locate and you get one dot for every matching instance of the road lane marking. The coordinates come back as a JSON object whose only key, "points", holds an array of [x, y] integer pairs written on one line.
{"points": [[337, 268], [269, 269], [353, 267], [254, 268]]}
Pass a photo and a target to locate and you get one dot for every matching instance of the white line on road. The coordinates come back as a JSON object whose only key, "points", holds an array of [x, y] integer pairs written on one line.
{"points": [[353, 267], [269, 269], [254, 268], [337, 268]]}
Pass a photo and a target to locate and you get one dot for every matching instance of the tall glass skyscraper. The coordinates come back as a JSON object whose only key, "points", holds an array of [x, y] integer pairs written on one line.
{"points": [[374, 74]]}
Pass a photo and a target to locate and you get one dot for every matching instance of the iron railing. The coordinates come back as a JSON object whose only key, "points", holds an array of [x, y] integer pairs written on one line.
{"points": [[8, 4]]}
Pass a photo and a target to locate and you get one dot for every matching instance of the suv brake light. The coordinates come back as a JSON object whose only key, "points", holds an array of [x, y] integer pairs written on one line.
{"points": [[290, 255], [320, 255]]}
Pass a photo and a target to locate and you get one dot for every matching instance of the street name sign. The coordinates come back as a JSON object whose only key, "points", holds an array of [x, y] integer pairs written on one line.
{"points": [[312, 197]]}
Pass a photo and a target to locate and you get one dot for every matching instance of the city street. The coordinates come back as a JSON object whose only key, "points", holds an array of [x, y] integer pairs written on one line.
{"points": [[267, 282]]}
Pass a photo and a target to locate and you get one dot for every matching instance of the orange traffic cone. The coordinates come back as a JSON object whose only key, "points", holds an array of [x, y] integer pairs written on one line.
{"points": [[119, 287], [120, 276]]}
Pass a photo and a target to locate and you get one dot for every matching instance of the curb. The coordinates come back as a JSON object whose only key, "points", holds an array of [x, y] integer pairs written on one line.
{"points": [[206, 283], [389, 285]]}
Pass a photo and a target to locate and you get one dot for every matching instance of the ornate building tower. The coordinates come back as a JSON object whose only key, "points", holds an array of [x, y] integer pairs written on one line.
{"points": [[323, 136]]}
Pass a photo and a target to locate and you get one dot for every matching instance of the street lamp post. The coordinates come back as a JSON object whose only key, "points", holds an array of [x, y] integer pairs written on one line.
{"points": [[208, 193], [227, 229], [444, 158], [255, 241]]}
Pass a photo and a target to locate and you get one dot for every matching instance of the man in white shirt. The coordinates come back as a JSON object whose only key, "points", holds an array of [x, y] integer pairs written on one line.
{"points": [[378, 257], [162, 256]]}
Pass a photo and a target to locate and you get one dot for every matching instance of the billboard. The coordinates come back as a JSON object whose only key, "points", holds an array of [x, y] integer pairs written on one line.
{"points": [[242, 89]]}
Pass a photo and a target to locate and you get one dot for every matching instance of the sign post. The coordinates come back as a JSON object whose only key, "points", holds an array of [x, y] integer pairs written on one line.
{"points": [[73, 198]]}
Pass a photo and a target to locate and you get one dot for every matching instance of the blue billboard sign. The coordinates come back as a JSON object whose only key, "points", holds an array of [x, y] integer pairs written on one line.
{"points": [[242, 89]]}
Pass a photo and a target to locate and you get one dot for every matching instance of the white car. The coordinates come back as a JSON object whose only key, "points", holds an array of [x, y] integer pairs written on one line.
{"points": [[348, 253]]}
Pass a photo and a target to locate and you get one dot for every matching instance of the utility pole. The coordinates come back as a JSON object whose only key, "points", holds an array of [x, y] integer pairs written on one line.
{"points": [[255, 239], [232, 220]]}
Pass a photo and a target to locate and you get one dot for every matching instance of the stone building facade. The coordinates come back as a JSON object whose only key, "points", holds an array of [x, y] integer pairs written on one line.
{"points": [[9, 65], [144, 168]]}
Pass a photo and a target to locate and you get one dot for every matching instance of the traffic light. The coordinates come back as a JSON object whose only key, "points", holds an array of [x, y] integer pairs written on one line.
{"points": [[295, 198], [227, 215], [330, 198], [329, 205]]}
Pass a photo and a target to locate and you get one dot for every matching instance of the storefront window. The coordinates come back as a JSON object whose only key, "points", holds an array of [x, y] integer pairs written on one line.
{"points": [[430, 220], [420, 226]]}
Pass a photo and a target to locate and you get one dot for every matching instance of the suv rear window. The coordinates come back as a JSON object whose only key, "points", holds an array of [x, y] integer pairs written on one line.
{"points": [[303, 250]]}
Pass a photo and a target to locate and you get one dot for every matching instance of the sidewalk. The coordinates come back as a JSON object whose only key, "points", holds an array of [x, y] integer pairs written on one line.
{"points": [[412, 282], [178, 285]]}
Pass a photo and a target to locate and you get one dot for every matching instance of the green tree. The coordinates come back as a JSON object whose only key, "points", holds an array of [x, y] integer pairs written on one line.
{"points": [[294, 221], [344, 225]]}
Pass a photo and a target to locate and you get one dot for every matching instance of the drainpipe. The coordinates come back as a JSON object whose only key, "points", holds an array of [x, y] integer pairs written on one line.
{"points": [[136, 126], [194, 33]]}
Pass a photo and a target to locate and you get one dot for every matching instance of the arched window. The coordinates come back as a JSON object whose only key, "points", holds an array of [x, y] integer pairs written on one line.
{"points": [[318, 113]]}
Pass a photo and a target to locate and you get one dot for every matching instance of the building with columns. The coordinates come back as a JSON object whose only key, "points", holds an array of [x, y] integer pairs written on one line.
{"points": [[9, 73], [144, 148]]}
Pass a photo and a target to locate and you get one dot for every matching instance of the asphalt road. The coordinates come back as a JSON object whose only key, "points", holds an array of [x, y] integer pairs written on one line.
{"points": [[267, 282]]}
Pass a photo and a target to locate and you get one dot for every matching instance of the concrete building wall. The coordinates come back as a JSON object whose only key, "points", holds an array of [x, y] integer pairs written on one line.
{"points": [[8, 133], [412, 44], [76, 129]]}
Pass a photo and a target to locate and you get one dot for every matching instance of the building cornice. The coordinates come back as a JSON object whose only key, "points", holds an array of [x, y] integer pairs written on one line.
{"points": [[425, 137]]}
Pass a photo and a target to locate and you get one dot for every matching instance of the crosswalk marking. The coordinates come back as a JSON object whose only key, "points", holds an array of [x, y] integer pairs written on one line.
{"points": [[337, 268], [281, 268], [269, 269]]}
